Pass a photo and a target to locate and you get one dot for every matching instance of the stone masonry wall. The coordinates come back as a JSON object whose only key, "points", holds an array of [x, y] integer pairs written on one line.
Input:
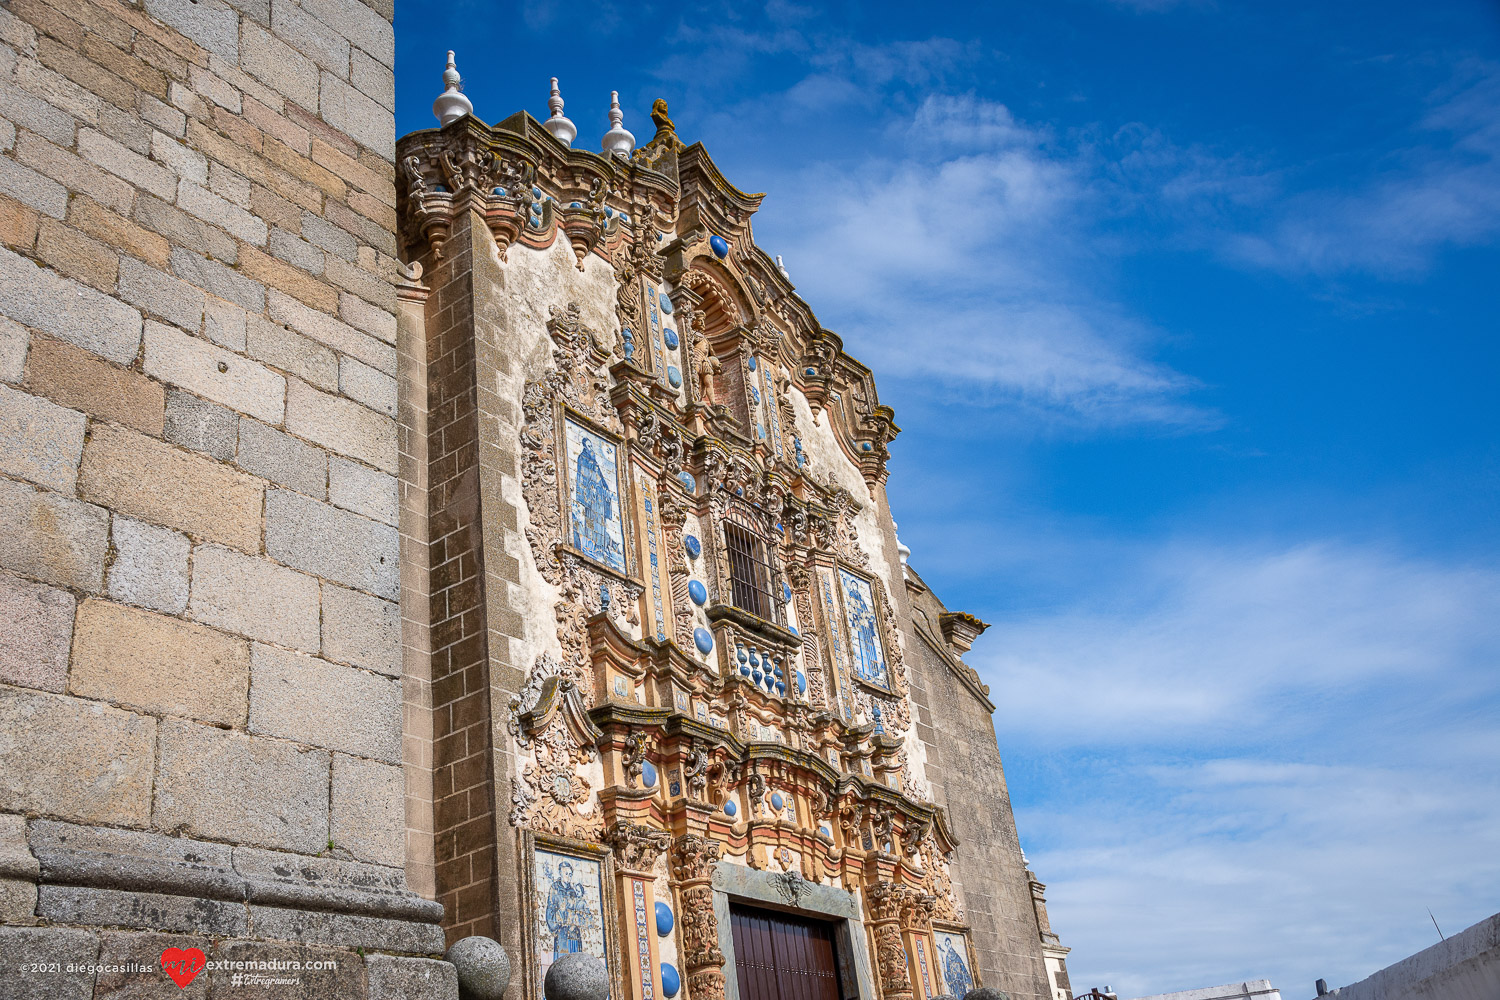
{"points": [[969, 781], [200, 650]]}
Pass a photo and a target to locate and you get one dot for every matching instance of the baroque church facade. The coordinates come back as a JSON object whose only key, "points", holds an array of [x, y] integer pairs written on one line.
{"points": [[734, 726], [466, 536]]}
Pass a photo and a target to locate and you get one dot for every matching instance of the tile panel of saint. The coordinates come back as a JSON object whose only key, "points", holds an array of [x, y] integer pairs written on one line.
{"points": [[569, 911], [864, 633], [594, 482]]}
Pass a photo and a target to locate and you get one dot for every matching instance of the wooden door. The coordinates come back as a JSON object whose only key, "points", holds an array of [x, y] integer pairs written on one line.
{"points": [[780, 956]]}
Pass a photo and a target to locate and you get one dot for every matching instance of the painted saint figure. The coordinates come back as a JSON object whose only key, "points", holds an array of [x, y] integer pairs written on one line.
{"points": [[567, 912], [955, 970], [594, 509], [865, 645]]}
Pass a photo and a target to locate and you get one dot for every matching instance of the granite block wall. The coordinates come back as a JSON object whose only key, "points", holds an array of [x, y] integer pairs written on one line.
{"points": [[968, 780], [202, 708]]}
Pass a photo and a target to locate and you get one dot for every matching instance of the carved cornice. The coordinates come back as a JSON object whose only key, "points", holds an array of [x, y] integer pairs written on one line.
{"points": [[961, 629]]}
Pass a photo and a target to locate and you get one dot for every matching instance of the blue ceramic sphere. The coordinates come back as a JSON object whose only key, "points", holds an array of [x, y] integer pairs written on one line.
{"points": [[692, 545], [688, 482], [801, 682], [812, 371], [786, 592], [704, 640], [698, 592], [666, 303], [751, 362], [793, 629], [670, 983], [664, 919], [731, 807], [670, 336], [674, 377], [648, 774], [777, 802], [500, 191], [719, 245]]}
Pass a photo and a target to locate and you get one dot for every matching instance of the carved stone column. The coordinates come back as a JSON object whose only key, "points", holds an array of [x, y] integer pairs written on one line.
{"points": [[886, 903], [636, 849], [693, 860]]}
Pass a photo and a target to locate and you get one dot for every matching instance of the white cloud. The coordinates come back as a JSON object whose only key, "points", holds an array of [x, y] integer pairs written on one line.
{"points": [[1438, 189], [1247, 762], [1006, 289]]}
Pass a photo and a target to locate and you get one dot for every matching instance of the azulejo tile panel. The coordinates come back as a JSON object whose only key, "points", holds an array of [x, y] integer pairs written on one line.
{"points": [[569, 907], [953, 962], [594, 496], [864, 631]]}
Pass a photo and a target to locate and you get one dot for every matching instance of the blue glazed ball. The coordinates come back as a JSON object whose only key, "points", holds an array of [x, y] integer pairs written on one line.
{"points": [[648, 774], [777, 802], [751, 362], [730, 808], [719, 245], [801, 682], [687, 481], [674, 377], [666, 303], [670, 983], [670, 336], [693, 547], [697, 592], [663, 919], [704, 640]]}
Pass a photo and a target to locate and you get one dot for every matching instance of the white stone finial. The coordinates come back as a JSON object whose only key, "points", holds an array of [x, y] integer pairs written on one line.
{"points": [[561, 128], [782, 268], [617, 141], [451, 104]]}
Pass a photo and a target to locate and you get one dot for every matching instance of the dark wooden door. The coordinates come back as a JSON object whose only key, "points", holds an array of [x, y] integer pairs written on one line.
{"points": [[779, 956]]}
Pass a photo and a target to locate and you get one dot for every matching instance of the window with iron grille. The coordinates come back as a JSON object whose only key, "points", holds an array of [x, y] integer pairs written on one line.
{"points": [[749, 573]]}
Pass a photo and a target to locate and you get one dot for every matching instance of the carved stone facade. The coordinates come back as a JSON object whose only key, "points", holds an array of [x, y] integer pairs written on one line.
{"points": [[695, 629]]}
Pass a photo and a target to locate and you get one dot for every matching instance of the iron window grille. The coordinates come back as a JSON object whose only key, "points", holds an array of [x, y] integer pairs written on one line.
{"points": [[750, 573]]}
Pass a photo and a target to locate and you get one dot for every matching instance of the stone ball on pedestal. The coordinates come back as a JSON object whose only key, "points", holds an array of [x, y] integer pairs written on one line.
{"points": [[483, 967], [986, 993], [577, 977]]}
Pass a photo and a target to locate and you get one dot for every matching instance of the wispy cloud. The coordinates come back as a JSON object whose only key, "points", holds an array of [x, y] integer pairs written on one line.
{"points": [[1003, 285], [1276, 759], [1435, 188]]}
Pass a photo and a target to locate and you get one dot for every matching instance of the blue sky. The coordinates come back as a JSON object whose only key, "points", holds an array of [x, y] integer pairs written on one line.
{"points": [[1187, 311]]}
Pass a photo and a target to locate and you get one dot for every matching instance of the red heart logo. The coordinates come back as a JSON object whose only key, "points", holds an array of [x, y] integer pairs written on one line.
{"points": [[183, 965]]}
